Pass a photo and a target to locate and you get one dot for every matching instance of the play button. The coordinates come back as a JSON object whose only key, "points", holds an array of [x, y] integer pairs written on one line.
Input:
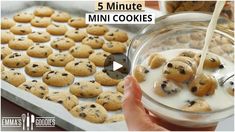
{"points": [[117, 66]]}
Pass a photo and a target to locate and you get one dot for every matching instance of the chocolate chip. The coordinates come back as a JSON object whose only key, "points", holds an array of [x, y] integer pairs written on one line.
{"points": [[90, 66], [64, 74], [191, 102], [17, 64], [41, 87], [231, 83], [93, 81], [52, 60], [221, 66], [34, 81], [23, 31], [82, 115], [77, 83], [169, 65], [212, 59], [194, 89], [163, 85], [92, 106], [182, 71], [111, 34], [60, 101], [35, 65], [146, 71]]}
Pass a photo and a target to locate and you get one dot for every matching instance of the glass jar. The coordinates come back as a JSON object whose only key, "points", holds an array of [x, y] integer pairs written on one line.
{"points": [[203, 6]]}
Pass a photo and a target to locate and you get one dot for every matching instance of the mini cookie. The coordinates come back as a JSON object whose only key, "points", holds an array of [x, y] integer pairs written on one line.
{"points": [[70, 102], [102, 78], [21, 29], [81, 67], [228, 48], [198, 105], [77, 22], [67, 100], [59, 59], [86, 89], [189, 54], [217, 50], [220, 39], [211, 61], [23, 17], [203, 84], [7, 23], [169, 41], [62, 43], [97, 30], [189, 61], [41, 22], [140, 73], [120, 87], [94, 41], [99, 57], [39, 51], [40, 37], [92, 112], [178, 71], [156, 60], [199, 35], [184, 38], [114, 47], [13, 77], [193, 5], [115, 118], [81, 51], [110, 100], [6, 36], [16, 60], [166, 87], [55, 29], [117, 35], [196, 44], [43, 11], [60, 16], [5, 51], [58, 78], [35, 87], [76, 35], [37, 69], [21, 43]]}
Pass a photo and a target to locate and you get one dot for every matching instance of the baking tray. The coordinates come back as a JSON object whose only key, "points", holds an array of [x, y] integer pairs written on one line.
{"points": [[47, 108]]}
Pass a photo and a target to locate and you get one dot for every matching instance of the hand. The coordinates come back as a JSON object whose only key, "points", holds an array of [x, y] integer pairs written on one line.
{"points": [[138, 118]]}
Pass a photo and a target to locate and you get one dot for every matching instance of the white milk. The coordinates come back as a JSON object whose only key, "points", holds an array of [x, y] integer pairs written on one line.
{"points": [[209, 33], [219, 100]]}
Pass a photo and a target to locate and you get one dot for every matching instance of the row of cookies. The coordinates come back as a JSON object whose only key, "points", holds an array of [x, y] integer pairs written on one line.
{"points": [[106, 100]]}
